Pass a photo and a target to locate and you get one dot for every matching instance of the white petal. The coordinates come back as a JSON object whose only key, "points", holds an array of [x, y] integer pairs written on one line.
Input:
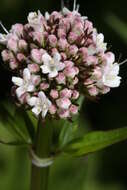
{"points": [[42, 96], [60, 66], [46, 58], [65, 11], [26, 74], [36, 110], [112, 82], [100, 38], [44, 112], [17, 81], [115, 69], [32, 101], [49, 102], [20, 91], [53, 74], [47, 16], [30, 88], [45, 69], [57, 57]]}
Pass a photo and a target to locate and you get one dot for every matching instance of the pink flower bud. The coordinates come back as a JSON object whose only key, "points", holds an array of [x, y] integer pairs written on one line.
{"points": [[60, 78], [5, 55], [63, 113], [54, 94], [72, 50], [61, 33], [88, 26], [68, 63], [91, 60], [24, 98], [70, 72], [63, 103], [97, 73], [109, 57], [83, 52], [72, 37], [65, 93], [62, 44], [75, 94], [36, 55], [38, 36], [33, 67], [52, 109], [44, 86], [17, 29], [105, 90], [22, 45], [88, 81], [21, 57], [63, 56], [75, 81], [52, 40], [93, 91], [13, 64], [12, 44], [73, 109], [36, 79]]}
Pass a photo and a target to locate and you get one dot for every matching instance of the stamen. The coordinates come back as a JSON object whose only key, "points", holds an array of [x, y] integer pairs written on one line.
{"points": [[123, 62], [62, 4], [3, 27], [74, 5], [77, 9]]}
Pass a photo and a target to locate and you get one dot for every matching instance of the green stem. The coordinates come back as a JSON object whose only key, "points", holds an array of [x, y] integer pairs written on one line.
{"points": [[39, 176]]}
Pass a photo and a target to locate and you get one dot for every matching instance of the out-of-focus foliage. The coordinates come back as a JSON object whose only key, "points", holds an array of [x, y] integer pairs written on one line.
{"points": [[119, 26]]}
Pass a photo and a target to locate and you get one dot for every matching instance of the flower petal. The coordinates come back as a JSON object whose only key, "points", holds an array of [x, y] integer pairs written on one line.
{"points": [[42, 96], [57, 57], [32, 101], [17, 81], [44, 112], [36, 110], [46, 58], [53, 74], [20, 91], [26, 74], [60, 66], [30, 88], [45, 69]]}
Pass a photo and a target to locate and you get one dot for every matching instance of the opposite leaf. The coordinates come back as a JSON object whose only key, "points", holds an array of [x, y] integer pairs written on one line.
{"points": [[95, 141]]}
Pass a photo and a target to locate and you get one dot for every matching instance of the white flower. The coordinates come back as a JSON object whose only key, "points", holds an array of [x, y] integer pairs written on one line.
{"points": [[51, 66], [100, 43], [36, 21], [41, 104], [24, 84], [110, 76]]}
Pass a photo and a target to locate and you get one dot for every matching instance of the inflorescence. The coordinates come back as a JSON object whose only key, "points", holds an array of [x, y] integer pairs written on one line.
{"points": [[56, 58]]}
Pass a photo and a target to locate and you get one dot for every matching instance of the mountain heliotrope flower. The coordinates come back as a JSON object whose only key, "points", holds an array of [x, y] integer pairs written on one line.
{"points": [[55, 59]]}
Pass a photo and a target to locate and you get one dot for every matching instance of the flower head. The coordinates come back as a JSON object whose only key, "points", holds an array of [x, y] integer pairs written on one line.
{"points": [[56, 58]]}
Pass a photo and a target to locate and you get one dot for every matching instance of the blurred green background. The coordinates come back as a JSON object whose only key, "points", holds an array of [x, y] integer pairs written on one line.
{"points": [[103, 170]]}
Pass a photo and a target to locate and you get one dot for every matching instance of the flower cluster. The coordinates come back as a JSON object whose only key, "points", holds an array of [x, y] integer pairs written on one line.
{"points": [[56, 58]]}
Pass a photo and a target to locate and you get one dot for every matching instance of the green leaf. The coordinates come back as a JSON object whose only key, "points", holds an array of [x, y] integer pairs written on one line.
{"points": [[117, 25], [95, 141], [13, 127]]}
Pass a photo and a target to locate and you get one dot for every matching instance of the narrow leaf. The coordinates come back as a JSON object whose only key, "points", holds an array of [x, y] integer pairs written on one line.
{"points": [[95, 141]]}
